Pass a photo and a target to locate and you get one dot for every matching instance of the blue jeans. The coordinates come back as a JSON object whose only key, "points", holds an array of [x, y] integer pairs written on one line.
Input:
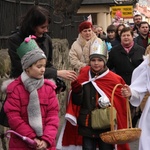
{"points": [[92, 143]]}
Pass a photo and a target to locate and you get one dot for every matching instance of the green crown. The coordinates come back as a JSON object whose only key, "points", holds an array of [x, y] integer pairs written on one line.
{"points": [[26, 47]]}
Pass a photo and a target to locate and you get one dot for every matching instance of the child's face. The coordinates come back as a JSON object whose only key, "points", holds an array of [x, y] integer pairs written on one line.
{"points": [[97, 64], [111, 35], [37, 69]]}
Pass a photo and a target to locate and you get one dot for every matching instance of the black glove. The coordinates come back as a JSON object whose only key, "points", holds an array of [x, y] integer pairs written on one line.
{"points": [[61, 86]]}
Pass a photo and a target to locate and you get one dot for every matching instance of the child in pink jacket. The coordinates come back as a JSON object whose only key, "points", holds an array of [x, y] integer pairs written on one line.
{"points": [[31, 105]]}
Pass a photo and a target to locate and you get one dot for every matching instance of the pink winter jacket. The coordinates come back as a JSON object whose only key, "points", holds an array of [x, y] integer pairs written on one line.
{"points": [[16, 110]]}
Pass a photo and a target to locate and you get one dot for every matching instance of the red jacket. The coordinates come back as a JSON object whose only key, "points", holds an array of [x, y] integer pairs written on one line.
{"points": [[16, 110]]}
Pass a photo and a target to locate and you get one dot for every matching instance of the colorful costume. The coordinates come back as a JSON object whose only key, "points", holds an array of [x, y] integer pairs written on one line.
{"points": [[104, 84]]}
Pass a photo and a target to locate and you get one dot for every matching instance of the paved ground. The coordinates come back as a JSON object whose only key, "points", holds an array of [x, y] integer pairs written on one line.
{"points": [[134, 145]]}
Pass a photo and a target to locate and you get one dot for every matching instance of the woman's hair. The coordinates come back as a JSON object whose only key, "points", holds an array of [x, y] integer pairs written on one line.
{"points": [[147, 51], [36, 16], [126, 29], [117, 35]]}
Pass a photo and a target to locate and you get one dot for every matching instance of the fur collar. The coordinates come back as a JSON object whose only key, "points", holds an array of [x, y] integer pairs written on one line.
{"points": [[5, 84]]}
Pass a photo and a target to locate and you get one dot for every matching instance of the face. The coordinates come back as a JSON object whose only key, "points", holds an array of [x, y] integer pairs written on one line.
{"points": [[40, 30], [119, 29], [99, 30], [97, 64], [37, 69], [94, 30], [126, 38], [144, 29], [137, 20], [86, 34], [111, 35]]}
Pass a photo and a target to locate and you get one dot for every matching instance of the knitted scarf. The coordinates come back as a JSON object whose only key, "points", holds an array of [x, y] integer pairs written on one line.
{"points": [[86, 46], [127, 47], [34, 111]]}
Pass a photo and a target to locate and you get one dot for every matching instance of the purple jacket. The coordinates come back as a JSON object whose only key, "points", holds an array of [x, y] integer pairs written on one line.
{"points": [[16, 110]]}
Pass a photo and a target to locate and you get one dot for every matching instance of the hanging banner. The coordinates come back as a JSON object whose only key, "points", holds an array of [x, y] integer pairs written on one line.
{"points": [[127, 11]]}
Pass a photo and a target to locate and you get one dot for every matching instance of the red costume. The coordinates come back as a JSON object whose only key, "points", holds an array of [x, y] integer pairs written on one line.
{"points": [[106, 83]]}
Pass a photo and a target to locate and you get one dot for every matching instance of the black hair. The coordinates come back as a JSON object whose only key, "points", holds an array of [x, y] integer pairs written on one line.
{"points": [[137, 15], [117, 35], [143, 22], [126, 29], [36, 16], [111, 28]]}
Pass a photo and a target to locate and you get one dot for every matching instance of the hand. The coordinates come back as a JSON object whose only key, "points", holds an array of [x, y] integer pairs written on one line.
{"points": [[76, 86], [37, 141], [125, 91], [67, 74], [42, 145]]}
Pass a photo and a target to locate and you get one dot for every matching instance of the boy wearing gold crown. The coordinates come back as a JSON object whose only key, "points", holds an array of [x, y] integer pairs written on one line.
{"points": [[94, 82]]}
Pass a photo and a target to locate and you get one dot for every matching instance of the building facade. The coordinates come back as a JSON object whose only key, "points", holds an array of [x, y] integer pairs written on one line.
{"points": [[101, 10]]}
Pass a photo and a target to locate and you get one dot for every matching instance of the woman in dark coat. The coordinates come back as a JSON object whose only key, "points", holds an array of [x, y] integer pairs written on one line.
{"points": [[126, 56], [35, 22]]}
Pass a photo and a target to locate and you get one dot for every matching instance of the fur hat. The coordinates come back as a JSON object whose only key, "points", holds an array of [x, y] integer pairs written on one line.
{"points": [[85, 25], [29, 52], [98, 49]]}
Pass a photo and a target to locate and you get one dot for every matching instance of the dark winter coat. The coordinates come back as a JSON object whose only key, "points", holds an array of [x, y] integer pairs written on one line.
{"points": [[44, 43], [124, 63], [113, 42], [139, 41]]}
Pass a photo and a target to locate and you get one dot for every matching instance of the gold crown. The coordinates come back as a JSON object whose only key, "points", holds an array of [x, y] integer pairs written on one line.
{"points": [[98, 47]]}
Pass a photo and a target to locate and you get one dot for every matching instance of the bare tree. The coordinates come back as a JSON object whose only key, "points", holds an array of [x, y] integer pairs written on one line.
{"points": [[66, 7]]}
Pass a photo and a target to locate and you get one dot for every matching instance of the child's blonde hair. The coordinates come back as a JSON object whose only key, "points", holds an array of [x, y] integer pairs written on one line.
{"points": [[147, 50]]}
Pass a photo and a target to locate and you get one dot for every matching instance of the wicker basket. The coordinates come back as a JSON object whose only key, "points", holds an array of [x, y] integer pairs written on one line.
{"points": [[121, 136]]}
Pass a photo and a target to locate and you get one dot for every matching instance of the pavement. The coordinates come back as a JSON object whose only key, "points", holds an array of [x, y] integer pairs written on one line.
{"points": [[134, 145]]}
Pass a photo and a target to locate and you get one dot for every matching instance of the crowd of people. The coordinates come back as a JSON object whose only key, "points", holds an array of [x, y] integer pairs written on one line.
{"points": [[99, 61]]}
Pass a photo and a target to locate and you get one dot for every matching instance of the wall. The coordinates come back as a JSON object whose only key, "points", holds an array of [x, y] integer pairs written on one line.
{"points": [[101, 14]]}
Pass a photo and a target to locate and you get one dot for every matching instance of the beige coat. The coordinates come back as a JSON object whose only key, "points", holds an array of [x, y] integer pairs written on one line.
{"points": [[80, 51]]}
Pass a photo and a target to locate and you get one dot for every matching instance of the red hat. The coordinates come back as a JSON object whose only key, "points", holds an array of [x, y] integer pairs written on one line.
{"points": [[85, 25]]}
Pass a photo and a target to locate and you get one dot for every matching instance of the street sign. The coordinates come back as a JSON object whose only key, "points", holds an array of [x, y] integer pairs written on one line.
{"points": [[127, 11]]}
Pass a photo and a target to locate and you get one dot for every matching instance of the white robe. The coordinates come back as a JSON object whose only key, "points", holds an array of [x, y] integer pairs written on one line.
{"points": [[140, 84]]}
